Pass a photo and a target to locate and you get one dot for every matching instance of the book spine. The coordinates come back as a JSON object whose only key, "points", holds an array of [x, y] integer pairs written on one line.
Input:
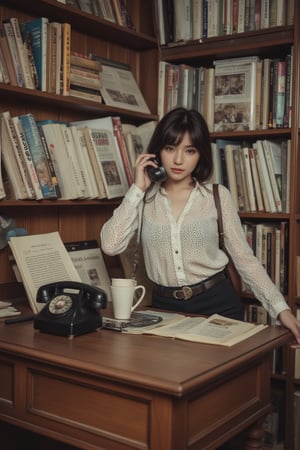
{"points": [[28, 158], [98, 175], [117, 126], [23, 57], [66, 58], [14, 52], [38, 155], [11, 132]]}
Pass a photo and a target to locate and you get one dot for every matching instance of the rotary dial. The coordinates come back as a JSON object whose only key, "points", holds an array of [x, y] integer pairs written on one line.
{"points": [[60, 304]]}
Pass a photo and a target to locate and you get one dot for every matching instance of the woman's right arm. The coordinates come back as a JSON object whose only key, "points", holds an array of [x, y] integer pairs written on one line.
{"points": [[119, 229]]}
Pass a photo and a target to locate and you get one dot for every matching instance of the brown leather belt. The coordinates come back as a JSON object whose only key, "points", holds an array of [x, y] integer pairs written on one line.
{"points": [[187, 292]]}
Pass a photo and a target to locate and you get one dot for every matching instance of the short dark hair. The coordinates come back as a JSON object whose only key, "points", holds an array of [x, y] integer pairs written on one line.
{"points": [[170, 131]]}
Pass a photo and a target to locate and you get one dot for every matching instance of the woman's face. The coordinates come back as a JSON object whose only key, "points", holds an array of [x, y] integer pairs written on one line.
{"points": [[180, 160]]}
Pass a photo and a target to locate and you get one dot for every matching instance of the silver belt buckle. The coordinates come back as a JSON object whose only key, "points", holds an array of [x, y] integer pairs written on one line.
{"points": [[185, 293]]}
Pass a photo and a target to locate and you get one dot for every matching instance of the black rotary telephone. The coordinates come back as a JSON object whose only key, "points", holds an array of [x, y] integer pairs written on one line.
{"points": [[71, 308]]}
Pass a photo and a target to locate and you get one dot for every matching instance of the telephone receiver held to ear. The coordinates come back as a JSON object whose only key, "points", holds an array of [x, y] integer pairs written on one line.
{"points": [[156, 173]]}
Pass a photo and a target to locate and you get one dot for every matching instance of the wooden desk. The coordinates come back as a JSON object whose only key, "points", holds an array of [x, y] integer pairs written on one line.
{"points": [[108, 390]]}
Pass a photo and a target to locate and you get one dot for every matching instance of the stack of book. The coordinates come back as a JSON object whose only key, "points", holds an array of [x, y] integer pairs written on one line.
{"points": [[85, 77], [112, 10], [184, 20], [90, 159], [257, 174], [36, 54], [237, 94]]}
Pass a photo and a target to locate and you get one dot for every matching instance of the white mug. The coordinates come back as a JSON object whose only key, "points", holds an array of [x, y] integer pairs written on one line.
{"points": [[123, 282], [123, 300]]}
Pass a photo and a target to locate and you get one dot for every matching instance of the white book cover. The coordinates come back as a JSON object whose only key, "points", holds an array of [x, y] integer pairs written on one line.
{"points": [[11, 133], [74, 166], [138, 138], [87, 174], [229, 160], [89, 263], [56, 146], [249, 179], [235, 100], [272, 151], [10, 163], [264, 177], [107, 154]]}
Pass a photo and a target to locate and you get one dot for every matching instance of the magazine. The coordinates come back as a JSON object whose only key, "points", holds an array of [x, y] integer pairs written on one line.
{"points": [[216, 329]]}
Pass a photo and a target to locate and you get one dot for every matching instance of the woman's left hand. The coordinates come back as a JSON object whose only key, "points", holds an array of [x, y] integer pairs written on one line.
{"points": [[289, 321]]}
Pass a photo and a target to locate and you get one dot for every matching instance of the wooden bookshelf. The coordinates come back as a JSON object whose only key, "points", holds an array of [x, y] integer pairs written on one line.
{"points": [[273, 42], [108, 40]]}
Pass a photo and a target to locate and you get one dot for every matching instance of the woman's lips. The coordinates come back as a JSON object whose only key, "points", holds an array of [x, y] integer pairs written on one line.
{"points": [[177, 171]]}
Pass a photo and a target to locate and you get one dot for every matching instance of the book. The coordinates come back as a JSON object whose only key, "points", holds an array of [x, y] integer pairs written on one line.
{"points": [[20, 157], [235, 87], [89, 263], [24, 148], [122, 143], [13, 175], [9, 33], [96, 167], [107, 155], [66, 58], [4, 73], [119, 87], [216, 329], [264, 178], [37, 29], [8, 59], [22, 52], [41, 259], [137, 138], [54, 57], [40, 158], [272, 151]]}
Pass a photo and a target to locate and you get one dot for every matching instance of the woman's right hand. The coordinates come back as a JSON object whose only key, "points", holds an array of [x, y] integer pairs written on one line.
{"points": [[141, 178]]}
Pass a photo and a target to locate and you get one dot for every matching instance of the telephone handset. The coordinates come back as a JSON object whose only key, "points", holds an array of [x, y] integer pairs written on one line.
{"points": [[71, 308], [156, 173]]}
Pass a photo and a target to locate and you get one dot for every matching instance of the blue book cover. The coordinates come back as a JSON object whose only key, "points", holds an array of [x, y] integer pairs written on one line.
{"points": [[37, 31], [43, 167]]}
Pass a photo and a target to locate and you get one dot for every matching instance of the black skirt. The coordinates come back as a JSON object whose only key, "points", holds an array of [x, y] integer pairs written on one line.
{"points": [[221, 299]]}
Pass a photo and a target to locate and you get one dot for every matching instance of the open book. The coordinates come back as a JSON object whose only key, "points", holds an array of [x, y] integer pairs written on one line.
{"points": [[215, 329], [43, 259]]}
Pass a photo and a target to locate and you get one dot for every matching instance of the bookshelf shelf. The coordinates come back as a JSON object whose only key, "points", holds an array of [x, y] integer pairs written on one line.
{"points": [[86, 23], [267, 43], [78, 219], [95, 109], [271, 41]]}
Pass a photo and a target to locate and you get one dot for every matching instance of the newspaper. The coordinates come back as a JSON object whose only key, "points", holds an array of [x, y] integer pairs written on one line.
{"points": [[119, 87], [216, 329]]}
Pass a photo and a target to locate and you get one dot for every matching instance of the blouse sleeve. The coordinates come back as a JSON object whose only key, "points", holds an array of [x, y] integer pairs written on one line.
{"points": [[248, 266], [119, 229]]}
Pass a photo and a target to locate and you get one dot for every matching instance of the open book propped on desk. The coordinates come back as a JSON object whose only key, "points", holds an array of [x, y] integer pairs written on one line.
{"points": [[216, 329], [42, 259]]}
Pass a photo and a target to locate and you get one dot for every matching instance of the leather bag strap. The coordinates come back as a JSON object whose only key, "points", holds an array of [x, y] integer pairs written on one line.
{"points": [[219, 212]]}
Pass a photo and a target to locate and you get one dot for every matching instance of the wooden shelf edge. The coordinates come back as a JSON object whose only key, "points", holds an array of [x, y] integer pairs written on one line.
{"points": [[58, 203], [220, 47], [85, 23], [71, 103]]}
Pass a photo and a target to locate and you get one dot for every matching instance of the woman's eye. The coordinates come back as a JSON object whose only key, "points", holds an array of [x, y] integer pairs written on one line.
{"points": [[169, 148], [191, 151]]}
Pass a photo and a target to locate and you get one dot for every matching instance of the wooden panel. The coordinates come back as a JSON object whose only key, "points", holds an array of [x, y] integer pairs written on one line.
{"points": [[6, 383]]}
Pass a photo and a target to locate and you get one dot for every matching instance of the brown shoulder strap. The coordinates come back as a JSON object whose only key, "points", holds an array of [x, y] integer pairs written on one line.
{"points": [[219, 212]]}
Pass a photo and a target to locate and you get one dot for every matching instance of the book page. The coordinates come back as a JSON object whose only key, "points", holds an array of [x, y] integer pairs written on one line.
{"points": [[216, 329], [42, 259]]}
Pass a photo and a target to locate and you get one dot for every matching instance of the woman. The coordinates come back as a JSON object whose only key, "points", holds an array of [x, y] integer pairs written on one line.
{"points": [[177, 221]]}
